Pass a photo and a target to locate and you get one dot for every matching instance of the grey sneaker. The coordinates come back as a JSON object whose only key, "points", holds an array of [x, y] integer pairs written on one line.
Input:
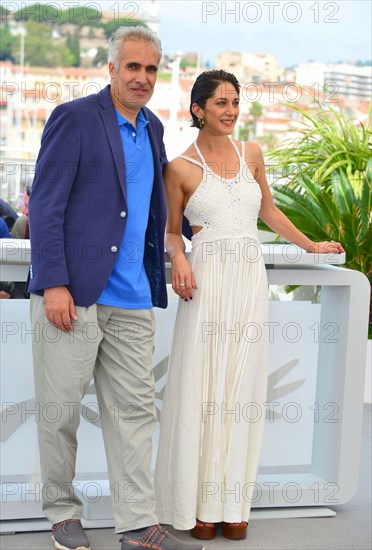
{"points": [[69, 535], [156, 538]]}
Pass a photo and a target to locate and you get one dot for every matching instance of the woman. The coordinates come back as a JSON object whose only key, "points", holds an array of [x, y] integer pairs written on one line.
{"points": [[213, 410]]}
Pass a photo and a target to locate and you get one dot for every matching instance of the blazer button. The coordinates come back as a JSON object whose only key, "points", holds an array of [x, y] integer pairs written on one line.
{"points": [[114, 249], [123, 214]]}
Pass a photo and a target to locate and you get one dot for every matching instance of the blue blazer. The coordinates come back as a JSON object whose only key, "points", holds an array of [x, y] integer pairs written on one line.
{"points": [[78, 199]]}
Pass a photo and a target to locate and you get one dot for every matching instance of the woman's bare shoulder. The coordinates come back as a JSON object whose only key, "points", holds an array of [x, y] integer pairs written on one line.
{"points": [[179, 164], [251, 146], [175, 167]]}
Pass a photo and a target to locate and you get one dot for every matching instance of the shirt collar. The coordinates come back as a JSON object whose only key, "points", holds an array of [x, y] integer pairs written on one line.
{"points": [[141, 121]]}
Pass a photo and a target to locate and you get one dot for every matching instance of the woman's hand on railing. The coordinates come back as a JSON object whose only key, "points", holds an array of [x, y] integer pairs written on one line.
{"points": [[326, 247]]}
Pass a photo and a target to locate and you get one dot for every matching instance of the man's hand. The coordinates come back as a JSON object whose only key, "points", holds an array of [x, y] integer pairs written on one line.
{"points": [[59, 307]]}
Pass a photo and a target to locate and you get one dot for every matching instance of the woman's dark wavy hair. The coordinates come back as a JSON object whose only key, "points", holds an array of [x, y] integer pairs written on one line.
{"points": [[205, 86]]}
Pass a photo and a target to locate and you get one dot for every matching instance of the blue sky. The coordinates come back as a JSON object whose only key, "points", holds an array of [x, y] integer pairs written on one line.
{"points": [[292, 41], [294, 31]]}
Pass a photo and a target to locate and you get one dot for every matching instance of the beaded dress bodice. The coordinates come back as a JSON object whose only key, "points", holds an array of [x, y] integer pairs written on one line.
{"points": [[224, 207]]}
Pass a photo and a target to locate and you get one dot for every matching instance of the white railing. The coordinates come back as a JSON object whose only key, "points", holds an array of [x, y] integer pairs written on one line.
{"points": [[314, 400]]}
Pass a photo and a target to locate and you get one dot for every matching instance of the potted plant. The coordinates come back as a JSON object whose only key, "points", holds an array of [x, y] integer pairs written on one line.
{"points": [[328, 188]]}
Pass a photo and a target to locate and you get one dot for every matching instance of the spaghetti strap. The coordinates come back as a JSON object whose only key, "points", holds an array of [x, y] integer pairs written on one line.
{"points": [[191, 160], [237, 150], [240, 156], [243, 150], [199, 153]]}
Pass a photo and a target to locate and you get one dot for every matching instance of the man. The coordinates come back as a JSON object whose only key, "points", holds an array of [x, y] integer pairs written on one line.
{"points": [[8, 214], [97, 218]]}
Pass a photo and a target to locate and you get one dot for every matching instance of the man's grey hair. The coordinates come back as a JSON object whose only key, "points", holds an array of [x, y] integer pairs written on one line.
{"points": [[130, 33]]}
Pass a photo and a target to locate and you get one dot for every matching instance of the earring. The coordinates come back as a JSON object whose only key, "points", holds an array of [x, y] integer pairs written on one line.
{"points": [[201, 121]]}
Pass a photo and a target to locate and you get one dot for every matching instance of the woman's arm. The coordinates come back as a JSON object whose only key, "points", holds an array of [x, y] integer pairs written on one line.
{"points": [[182, 277], [278, 221]]}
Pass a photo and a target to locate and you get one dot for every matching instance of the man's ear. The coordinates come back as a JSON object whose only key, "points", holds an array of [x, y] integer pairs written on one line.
{"points": [[112, 70]]}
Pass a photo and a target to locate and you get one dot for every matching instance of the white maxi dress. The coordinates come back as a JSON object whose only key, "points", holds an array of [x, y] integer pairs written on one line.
{"points": [[213, 410]]}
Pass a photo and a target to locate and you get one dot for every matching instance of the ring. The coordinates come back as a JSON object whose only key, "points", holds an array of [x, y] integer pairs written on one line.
{"points": [[182, 284]]}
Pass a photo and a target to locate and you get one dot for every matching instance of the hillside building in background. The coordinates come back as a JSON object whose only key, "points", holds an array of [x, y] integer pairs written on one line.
{"points": [[344, 79], [251, 67]]}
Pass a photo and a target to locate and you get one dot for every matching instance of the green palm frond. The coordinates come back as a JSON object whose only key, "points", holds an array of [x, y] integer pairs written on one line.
{"points": [[328, 141], [366, 196], [323, 173], [338, 214], [327, 174], [301, 204], [342, 192], [291, 288]]}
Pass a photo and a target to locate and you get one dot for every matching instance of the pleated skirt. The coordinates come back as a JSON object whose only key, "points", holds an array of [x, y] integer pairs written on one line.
{"points": [[213, 410]]}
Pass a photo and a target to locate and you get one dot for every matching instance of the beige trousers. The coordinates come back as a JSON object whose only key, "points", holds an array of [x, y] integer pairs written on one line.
{"points": [[114, 346]]}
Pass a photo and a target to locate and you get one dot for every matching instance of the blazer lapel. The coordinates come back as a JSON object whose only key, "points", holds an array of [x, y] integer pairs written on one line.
{"points": [[155, 153], [113, 135]]}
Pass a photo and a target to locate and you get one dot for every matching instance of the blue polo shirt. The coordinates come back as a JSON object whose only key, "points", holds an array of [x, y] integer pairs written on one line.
{"points": [[128, 285]]}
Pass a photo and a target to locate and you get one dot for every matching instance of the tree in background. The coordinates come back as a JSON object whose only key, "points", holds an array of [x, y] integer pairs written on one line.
{"points": [[114, 24], [40, 48], [247, 132], [49, 14], [38, 13], [268, 141], [256, 109], [7, 41], [3, 13], [81, 16], [244, 131], [185, 63], [100, 57], [73, 44]]}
